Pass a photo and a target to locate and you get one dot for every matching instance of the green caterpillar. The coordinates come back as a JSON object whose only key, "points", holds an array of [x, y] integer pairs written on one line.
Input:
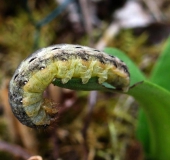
{"points": [[65, 62]]}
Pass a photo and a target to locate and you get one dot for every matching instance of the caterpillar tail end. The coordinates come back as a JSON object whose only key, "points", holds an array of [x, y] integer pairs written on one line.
{"points": [[50, 108]]}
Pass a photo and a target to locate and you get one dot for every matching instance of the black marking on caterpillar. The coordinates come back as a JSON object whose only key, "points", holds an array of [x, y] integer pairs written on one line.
{"points": [[78, 47], [96, 50], [16, 76], [59, 61], [32, 59], [55, 48]]}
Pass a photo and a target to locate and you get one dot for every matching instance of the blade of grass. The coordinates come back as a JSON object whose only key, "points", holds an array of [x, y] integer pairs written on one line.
{"points": [[155, 102], [76, 84], [155, 138], [160, 74]]}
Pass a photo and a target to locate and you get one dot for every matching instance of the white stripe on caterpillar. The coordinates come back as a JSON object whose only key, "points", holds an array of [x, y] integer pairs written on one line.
{"points": [[63, 61]]}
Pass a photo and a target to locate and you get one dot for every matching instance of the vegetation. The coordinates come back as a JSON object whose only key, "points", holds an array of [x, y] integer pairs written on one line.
{"points": [[91, 125]]}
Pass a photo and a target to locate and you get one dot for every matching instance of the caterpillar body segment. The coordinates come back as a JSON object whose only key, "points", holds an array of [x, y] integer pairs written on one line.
{"points": [[59, 61]]}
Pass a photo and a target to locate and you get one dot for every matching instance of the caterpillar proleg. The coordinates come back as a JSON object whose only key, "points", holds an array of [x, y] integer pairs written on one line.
{"points": [[64, 61]]}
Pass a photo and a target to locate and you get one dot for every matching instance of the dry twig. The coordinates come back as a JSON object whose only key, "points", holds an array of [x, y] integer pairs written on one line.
{"points": [[14, 149]]}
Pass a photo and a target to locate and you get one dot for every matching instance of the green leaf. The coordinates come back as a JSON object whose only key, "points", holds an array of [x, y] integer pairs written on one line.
{"points": [[159, 76], [76, 84], [155, 102], [143, 131], [160, 73]]}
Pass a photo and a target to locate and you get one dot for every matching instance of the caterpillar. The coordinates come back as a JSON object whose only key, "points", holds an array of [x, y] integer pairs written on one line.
{"points": [[63, 61]]}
